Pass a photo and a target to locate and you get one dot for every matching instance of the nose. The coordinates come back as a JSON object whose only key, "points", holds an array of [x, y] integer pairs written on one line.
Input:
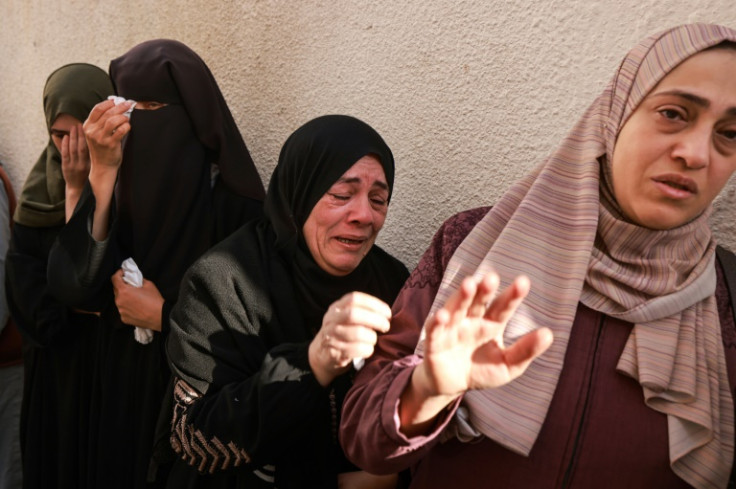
{"points": [[694, 148], [361, 211]]}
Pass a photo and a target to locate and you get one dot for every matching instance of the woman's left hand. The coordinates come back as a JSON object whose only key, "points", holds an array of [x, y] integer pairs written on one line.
{"points": [[75, 158], [349, 330], [138, 306]]}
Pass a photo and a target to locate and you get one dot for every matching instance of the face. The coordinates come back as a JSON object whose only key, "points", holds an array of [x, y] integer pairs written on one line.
{"points": [[344, 224], [678, 149], [61, 127]]}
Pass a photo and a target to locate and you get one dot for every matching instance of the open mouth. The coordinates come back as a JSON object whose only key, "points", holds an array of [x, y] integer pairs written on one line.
{"points": [[350, 241], [678, 183]]}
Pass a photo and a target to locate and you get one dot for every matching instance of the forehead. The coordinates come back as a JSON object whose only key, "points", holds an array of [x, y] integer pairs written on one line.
{"points": [[709, 74], [64, 122], [366, 170]]}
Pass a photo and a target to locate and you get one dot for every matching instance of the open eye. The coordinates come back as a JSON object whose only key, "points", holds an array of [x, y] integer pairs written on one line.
{"points": [[672, 114], [149, 105]]}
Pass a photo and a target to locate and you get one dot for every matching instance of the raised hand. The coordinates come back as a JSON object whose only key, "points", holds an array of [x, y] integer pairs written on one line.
{"points": [[74, 166], [464, 349], [104, 129], [74, 158], [349, 330]]}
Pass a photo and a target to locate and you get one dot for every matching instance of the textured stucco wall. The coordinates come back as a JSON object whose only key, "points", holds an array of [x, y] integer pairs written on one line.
{"points": [[469, 95]]}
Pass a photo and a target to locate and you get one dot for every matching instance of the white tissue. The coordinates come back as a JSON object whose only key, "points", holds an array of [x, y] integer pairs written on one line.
{"points": [[120, 100], [358, 363], [133, 276]]}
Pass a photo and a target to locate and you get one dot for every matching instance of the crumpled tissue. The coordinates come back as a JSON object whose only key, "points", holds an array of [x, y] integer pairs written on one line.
{"points": [[132, 276], [120, 100]]}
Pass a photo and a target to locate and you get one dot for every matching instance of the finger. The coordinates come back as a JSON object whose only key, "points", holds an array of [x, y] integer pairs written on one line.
{"points": [[65, 148], [81, 141], [459, 302], [523, 351], [357, 316], [117, 127], [355, 334], [487, 287], [98, 110], [342, 353], [73, 139], [365, 301], [508, 301], [117, 278], [435, 325]]}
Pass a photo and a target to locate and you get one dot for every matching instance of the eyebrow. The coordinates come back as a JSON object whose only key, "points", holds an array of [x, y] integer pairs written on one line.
{"points": [[697, 100], [377, 183]]}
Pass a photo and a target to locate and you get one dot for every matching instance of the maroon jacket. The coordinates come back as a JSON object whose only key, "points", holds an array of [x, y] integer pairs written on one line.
{"points": [[598, 432], [10, 340]]}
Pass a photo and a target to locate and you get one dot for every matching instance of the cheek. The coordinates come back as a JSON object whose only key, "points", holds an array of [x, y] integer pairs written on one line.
{"points": [[379, 218], [57, 142]]}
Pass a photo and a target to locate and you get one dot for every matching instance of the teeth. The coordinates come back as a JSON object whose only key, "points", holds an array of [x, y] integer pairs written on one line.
{"points": [[349, 241], [680, 187]]}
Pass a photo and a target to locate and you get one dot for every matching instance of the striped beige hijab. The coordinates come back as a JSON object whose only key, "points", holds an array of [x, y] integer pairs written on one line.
{"points": [[562, 228]]}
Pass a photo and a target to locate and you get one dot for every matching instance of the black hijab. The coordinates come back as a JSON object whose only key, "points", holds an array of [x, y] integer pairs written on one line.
{"points": [[164, 194], [312, 159], [263, 281]]}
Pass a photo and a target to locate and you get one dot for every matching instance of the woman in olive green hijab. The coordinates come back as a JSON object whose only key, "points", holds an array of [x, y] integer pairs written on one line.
{"points": [[59, 343]]}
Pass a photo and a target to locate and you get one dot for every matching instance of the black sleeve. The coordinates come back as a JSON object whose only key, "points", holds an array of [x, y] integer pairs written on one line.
{"points": [[237, 400], [79, 267], [40, 318]]}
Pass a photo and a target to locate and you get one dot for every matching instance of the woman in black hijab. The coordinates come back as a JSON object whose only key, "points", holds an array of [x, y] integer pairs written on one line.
{"points": [[179, 182], [269, 321], [58, 342]]}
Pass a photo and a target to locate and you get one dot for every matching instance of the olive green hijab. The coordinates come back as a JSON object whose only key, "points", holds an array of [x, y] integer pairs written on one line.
{"points": [[72, 89]]}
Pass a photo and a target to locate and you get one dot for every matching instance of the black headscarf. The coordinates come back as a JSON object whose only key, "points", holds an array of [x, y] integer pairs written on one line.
{"points": [[164, 196], [312, 159], [263, 278], [250, 307]]}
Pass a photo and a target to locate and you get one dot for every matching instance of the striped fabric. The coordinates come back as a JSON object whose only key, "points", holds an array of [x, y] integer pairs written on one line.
{"points": [[562, 228]]}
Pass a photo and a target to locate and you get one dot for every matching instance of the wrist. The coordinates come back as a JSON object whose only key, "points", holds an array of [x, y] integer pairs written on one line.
{"points": [[321, 373], [419, 404], [73, 191]]}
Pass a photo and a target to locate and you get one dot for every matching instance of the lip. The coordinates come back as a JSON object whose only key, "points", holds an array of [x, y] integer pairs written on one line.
{"points": [[676, 186], [355, 242]]}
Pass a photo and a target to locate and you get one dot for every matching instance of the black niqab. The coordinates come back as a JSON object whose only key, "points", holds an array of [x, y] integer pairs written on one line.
{"points": [[163, 194]]}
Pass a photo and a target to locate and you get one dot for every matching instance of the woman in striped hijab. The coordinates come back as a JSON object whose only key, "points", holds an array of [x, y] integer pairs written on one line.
{"points": [[620, 360]]}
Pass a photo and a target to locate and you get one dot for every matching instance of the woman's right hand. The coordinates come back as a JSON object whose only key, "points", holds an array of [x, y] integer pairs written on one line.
{"points": [[464, 349], [349, 330], [104, 130]]}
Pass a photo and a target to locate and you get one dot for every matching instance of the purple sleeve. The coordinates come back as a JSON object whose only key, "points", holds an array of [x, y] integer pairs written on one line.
{"points": [[369, 431]]}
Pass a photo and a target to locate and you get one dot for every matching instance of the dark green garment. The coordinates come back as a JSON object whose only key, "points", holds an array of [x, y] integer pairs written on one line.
{"points": [[59, 344], [72, 89]]}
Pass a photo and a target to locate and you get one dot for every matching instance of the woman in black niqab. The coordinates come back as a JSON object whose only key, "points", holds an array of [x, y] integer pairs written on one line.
{"points": [[164, 186], [248, 312]]}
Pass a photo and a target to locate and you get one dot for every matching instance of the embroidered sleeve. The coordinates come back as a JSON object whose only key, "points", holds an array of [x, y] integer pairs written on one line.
{"points": [[207, 454]]}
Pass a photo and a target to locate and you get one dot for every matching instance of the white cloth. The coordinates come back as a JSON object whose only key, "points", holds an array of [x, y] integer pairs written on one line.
{"points": [[133, 276], [120, 100]]}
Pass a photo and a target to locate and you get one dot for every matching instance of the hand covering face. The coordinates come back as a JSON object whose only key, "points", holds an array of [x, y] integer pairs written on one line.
{"points": [[72, 89]]}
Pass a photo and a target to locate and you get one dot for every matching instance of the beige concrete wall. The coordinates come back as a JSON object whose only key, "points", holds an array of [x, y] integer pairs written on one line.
{"points": [[468, 94]]}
